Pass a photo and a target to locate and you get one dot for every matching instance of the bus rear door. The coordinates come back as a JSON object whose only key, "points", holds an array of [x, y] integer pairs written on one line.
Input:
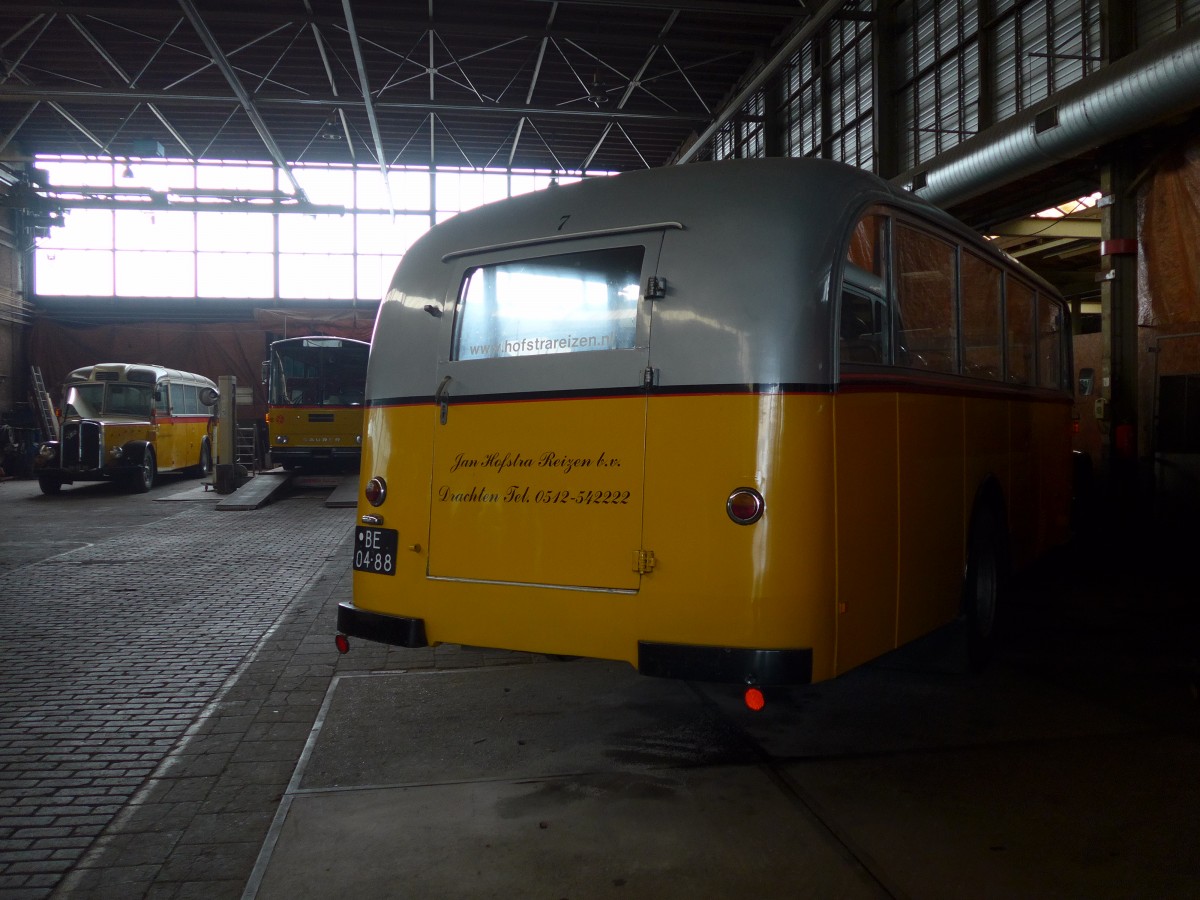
{"points": [[541, 415]]}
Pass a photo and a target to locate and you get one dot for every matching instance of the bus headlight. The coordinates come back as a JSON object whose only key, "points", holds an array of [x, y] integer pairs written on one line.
{"points": [[116, 452], [745, 505], [375, 491]]}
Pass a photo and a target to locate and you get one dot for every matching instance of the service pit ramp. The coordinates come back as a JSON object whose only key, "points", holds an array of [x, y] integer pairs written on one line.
{"points": [[256, 492]]}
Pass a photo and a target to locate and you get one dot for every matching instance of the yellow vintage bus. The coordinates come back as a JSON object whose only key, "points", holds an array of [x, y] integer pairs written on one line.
{"points": [[315, 391], [128, 422], [749, 422]]}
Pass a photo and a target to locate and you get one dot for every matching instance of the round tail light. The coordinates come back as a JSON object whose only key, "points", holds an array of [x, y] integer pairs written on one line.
{"points": [[754, 698], [375, 491], [745, 505]]}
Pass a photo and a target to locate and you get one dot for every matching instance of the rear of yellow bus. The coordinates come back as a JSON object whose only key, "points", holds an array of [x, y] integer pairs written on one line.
{"points": [[642, 479], [629, 441]]}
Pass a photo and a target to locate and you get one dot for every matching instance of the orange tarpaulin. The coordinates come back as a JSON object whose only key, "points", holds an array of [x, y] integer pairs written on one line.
{"points": [[1169, 249]]}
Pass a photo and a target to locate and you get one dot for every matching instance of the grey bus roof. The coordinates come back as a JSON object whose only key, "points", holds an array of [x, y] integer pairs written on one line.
{"points": [[748, 251]]}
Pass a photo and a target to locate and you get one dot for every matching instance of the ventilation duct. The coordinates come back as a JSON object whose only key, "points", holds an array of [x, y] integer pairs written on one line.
{"points": [[1135, 92]]}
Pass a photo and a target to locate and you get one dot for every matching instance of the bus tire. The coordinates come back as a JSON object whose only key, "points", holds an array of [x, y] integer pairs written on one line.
{"points": [[49, 484], [142, 478], [205, 467], [981, 585]]}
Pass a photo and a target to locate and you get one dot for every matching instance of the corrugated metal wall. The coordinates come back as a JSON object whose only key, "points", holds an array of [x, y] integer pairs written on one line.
{"points": [[958, 66]]}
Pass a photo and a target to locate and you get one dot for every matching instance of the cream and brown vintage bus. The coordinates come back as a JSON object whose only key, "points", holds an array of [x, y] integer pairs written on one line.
{"points": [[129, 422], [754, 422]]}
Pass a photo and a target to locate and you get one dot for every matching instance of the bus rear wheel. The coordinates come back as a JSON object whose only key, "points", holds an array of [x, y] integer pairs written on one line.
{"points": [[981, 586], [49, 484]]}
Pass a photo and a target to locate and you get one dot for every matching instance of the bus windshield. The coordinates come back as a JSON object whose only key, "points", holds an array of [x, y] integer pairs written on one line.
{"points": [[85, 400], [89, 400], [317, 373]]}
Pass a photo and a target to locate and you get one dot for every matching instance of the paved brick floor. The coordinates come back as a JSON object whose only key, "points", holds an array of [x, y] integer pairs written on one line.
{"points": [[110, 651], [161, 666]]}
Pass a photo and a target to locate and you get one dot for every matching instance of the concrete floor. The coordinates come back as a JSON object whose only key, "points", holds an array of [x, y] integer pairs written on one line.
{"points": [[1070, 768], [587, 781]]}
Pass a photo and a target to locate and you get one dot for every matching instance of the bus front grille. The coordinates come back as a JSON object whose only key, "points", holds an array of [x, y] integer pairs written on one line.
{"points": [[81, 445]]}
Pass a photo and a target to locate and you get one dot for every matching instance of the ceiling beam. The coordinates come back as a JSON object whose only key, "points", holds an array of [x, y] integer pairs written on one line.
{"points": [[410, 27], [91, 198], [633, 85], [537, 71], [734, 8], [1083, 229], [247, 102], [319, 39], [12, 132], [26, 93], [1046, 249], [131, 82], [365, 88], [705, 7]]}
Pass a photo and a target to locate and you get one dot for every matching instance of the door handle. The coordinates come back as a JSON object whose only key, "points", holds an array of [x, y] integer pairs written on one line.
{"points": [[442, 397]]}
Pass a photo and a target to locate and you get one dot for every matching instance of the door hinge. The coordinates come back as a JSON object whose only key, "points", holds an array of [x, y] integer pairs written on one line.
{"points": [[442, 398], [656, 287], [644, 561], [649, 377]]}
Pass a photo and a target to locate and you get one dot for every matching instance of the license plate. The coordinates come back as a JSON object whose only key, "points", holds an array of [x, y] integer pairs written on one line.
{"points": [[375, 549]]}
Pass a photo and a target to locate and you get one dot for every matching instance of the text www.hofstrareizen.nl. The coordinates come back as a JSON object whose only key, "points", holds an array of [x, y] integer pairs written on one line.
{"points": [[522, 346]]}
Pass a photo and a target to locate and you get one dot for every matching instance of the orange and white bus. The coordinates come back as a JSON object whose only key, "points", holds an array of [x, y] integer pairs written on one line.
{"points": [[128, 422], [315, 391], [752, 422]]}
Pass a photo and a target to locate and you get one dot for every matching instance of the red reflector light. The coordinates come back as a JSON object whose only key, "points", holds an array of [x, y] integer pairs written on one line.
{"points": [[343, 643], [745, 506], [375, 491], [754, 698]]}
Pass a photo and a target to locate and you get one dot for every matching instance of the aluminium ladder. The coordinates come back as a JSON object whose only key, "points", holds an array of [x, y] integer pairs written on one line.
{"points": [[46, 417]]}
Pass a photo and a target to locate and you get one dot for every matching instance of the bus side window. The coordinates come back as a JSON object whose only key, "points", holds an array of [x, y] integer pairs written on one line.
{"points": [[187, 399], [982, 317], [1019, 331], [868, 244], [1049, 343], [927, 301], [864, 334], [861, 339]]}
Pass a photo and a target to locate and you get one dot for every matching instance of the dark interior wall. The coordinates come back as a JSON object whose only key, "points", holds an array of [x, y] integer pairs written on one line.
{"points": [[11, 329], [17, 419]]}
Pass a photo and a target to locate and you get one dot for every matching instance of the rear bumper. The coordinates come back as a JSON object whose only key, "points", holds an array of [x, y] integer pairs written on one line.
{"points": [[284, 453], [399, 631], [726, 665]]}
